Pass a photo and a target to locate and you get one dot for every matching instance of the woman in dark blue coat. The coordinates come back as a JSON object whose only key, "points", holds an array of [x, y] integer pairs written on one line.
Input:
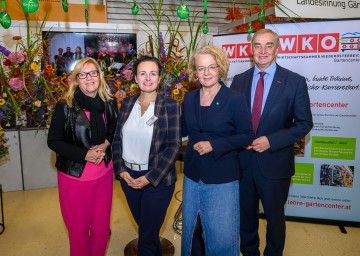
{"points": [[217, 123]]}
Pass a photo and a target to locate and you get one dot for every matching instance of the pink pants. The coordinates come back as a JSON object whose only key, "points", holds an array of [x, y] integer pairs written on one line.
{"points": [[86, 209]]}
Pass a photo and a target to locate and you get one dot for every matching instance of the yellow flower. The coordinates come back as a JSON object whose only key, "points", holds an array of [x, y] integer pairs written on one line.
{"points": [[2, 102], [176, 91], [34, 67]]}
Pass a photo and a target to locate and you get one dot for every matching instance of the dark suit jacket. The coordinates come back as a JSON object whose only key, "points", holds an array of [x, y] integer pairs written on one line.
{"points": [[165, 142], [226, 125], [286, 118]]}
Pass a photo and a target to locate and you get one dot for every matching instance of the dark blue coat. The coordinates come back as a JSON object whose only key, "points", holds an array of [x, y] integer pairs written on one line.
{"points": [[226, 125], [286, 118]]}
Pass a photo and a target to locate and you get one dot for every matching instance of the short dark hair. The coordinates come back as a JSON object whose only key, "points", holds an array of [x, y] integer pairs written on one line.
{"points": [[60, 49], [144, 59]]}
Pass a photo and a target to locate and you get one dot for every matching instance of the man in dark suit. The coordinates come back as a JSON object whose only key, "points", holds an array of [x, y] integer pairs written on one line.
{"points": [[268, 163]]}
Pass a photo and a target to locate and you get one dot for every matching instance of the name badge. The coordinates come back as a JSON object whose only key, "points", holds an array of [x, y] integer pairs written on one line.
{"points": [[151, 121]]}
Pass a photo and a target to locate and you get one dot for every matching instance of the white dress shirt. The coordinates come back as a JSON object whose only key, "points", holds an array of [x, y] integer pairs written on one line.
{"points": [[137, 135]]}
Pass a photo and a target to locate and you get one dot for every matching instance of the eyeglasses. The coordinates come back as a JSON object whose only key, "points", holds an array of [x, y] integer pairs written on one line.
{"points": [[83, 75], [211, 68]]}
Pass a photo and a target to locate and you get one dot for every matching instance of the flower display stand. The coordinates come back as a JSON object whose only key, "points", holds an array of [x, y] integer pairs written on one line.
{"points": [[10, 167]]}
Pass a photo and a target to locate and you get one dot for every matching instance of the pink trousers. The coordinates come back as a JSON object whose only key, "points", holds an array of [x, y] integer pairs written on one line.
{"points": [[86, 209]]}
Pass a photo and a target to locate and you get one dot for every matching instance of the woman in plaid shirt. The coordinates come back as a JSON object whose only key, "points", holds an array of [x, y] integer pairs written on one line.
{"points": [[145, 147]]}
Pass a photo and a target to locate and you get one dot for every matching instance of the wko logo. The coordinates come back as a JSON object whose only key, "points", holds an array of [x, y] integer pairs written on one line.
{"points": [[291, 44]]}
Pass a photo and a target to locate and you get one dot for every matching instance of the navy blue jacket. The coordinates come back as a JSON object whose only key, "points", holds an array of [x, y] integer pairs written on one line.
{"points": [[286, 118], [226, 125]]}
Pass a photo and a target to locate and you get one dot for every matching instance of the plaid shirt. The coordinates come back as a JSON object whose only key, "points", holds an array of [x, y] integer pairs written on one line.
{"points": [[165, 144]]}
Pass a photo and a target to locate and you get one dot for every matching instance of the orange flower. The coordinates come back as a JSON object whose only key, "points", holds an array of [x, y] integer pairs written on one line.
{"points": [[117, 84], [16, 38], [49, 67]]}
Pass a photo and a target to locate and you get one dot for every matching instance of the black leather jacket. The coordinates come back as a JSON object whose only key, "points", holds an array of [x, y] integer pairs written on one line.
{"points": [[77, 132]]}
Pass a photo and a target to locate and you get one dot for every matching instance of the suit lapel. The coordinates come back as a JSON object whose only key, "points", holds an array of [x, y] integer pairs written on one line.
{"points": [[219, 99], [277, 87], [247, 88]]}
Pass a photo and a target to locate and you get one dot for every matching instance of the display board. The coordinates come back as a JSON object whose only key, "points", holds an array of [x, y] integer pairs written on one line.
{"points": [[326, 184]]}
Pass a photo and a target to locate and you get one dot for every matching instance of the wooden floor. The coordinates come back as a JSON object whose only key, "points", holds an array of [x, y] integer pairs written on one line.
{"points": [[34, 227]]}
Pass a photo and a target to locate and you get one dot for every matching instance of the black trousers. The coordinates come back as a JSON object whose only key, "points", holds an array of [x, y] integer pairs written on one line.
{"points": [[148, 206]]}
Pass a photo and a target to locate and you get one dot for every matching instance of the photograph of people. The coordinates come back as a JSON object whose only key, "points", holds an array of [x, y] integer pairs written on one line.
{"points": [[145, 148], [69, 57], [78, 53], [91, 53], [81, 132], [217, 123], [281, 115], [60, 63]]}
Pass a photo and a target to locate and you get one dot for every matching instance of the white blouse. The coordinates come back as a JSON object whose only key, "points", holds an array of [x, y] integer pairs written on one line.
{"points": [[137, 135]]}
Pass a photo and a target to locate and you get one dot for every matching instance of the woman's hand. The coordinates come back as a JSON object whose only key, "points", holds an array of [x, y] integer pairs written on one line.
{"points": [[95, 155], [127, 178], [139, 183], [203, 147], [104, 145]]}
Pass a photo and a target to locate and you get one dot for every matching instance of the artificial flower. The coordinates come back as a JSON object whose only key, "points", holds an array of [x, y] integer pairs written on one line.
{"points": [[16, 57], [17, 38], [37, 103], [128, 74], [176, 91], [16, 84], [2, 102], [117, 84], [34, 67], [7, 63]]}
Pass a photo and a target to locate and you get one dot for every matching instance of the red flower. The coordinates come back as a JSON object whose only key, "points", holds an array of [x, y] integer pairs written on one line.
{"points": [[17, 72], [7, 63]]}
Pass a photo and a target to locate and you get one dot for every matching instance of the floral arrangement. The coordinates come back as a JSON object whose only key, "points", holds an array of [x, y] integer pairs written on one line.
{"points": [[28, 87], [174, 80], [27, 90], [174, 58]]}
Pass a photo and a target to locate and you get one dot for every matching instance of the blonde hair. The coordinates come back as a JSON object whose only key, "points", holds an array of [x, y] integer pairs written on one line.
{"points": [[219, 56], [103, 90]]}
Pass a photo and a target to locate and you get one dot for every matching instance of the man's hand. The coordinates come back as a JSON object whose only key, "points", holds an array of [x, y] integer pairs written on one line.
{"points": [[260, 144]]}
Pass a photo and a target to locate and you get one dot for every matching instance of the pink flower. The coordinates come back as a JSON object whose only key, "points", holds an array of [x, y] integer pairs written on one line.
{"points": [[16, 57], [16, 84], [128, 74], [121, 95], [178, 86]]}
